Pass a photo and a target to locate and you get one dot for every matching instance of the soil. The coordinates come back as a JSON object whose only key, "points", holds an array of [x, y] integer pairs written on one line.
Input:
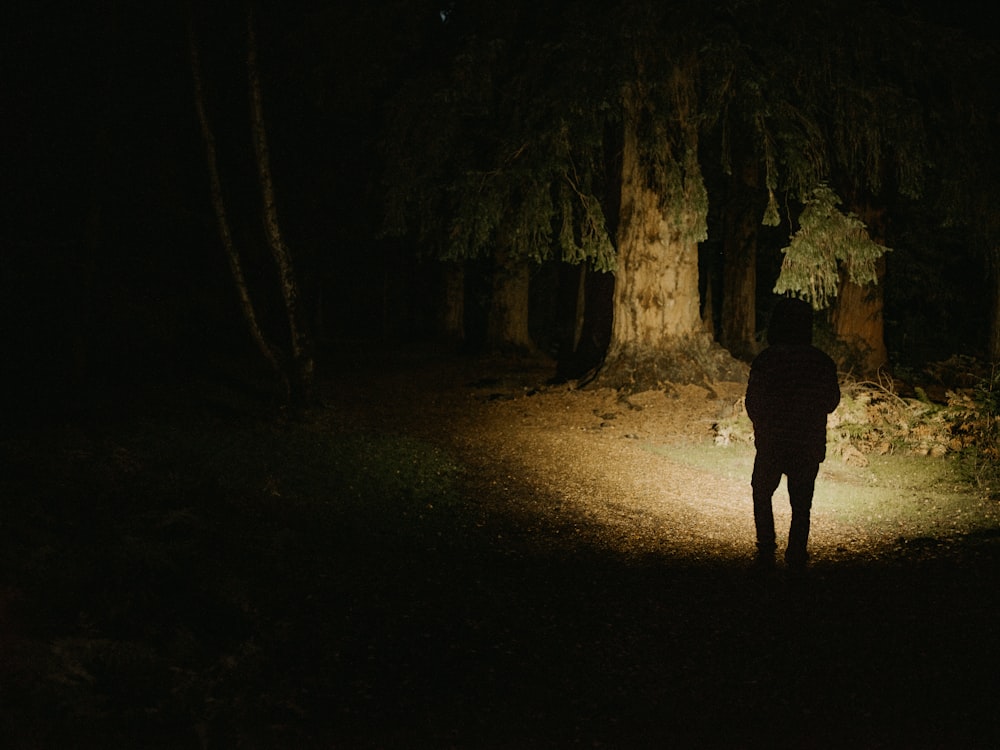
{"points": [[572, 459], [456, 552], [606, 596], [631, 474]]}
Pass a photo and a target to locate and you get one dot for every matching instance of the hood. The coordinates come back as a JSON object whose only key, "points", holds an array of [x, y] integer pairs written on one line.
{"points": [[791, 323]]}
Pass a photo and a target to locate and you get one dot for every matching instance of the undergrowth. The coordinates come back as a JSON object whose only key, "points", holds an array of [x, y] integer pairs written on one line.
{"points": [[874, 419], [155, 577], [215, 583], [978, 422]]}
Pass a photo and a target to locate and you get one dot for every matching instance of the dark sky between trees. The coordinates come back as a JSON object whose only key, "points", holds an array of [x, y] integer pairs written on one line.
{"points": [[111, 265]]}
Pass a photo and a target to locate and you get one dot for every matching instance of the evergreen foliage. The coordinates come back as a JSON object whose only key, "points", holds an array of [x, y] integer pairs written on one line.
{"points": [[826, 239], [498, 148], [503, 144], [508, 142], [830, 93]]}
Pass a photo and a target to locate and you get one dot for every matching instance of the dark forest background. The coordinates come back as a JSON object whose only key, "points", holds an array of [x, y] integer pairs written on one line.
{"points": [[183, 565], [112, 274]]}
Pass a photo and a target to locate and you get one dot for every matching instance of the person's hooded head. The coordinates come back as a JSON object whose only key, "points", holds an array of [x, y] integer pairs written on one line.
{"points": [[791, 323]]}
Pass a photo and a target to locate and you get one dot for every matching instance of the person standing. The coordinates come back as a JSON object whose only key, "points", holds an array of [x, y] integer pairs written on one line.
{"points": [[792, 388]]}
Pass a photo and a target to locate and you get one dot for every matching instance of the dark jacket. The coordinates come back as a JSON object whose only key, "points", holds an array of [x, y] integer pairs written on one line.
{"points": [[793, 386]]}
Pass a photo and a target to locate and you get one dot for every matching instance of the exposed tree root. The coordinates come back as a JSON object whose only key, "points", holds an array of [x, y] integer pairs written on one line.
{"points": [[693, 360]]}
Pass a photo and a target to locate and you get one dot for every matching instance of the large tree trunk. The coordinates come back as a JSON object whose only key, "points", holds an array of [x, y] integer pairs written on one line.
{"points": [[858, 325], [302, 357], [507, 327], [657, 335], [856, 314]]}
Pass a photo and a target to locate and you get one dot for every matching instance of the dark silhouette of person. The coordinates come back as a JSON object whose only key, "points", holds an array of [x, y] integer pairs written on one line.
{"points": [[792, 387]]}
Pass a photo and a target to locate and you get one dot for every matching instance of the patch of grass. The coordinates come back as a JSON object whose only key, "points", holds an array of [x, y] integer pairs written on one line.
{"points": [[977, 423], [168, 578], [732, 461], [248, 584], [872, 419], [898, 496]]}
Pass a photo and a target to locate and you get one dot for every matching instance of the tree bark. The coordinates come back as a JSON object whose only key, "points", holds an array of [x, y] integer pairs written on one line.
{"points": [[858, 324], [507, 327], [657, 335], [739, 298], [222, 220], [994, 330], [857, 312], [580, 309], [591, 334], [453, 302], [741, 218], [301, 345]]}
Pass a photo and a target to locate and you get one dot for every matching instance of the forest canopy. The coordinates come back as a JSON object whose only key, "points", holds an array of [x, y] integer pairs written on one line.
{"points": [[494, 172]]}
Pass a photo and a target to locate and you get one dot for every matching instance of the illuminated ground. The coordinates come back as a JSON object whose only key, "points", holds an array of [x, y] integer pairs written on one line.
{"points": [[452, 554], [643, 474], [637, 621]]}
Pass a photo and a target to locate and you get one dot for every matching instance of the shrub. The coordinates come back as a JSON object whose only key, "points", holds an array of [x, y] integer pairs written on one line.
{"points": [[963, 420], [976, 427]]}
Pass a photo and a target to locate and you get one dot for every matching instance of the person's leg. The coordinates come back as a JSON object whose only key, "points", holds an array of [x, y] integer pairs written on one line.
{"points": [[801, 484], [766, 476]]}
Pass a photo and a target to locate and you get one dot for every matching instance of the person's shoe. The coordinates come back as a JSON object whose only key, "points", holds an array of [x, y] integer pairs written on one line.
{"points": [[767, 548], [796, 559], [763, 562]]}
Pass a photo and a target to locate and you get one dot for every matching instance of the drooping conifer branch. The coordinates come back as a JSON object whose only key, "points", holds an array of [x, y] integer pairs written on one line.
{"points": [[825, 239]]}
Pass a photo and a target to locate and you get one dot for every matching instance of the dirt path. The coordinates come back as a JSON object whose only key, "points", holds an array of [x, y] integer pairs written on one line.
{"points": [[554, 568], [582, 462], [636, 475]]}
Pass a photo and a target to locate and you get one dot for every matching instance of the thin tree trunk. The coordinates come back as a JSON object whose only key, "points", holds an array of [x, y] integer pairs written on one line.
{"points": [[592, 332], [708, 306], [453, 304], [302, 357], [739, 299], [580, 312], [739, 273], [222, 221], [994, 330]]}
